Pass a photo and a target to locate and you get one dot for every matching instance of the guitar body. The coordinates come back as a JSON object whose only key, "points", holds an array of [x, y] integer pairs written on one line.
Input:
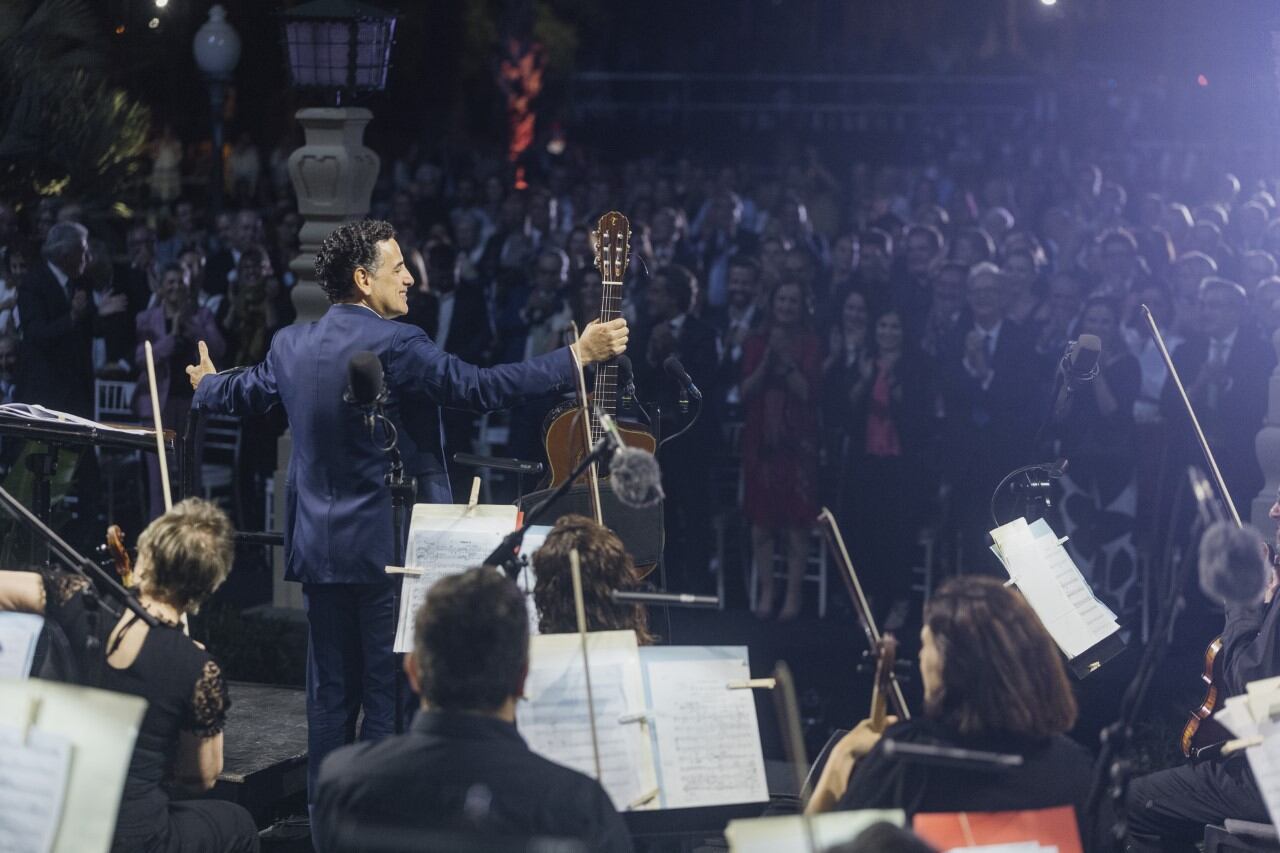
{"points": [[564, 438]]}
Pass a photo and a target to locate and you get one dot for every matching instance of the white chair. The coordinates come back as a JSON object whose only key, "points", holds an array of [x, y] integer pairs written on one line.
{"points": [[113, 401], [815, 571], [220, 460]]}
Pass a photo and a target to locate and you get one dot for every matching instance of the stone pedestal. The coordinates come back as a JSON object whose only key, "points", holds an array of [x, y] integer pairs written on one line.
{"points": [[1267, 446], [333, 175]]}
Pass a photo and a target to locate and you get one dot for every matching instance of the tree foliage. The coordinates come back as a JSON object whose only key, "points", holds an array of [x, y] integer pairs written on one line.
{"points": [[63, 128]]}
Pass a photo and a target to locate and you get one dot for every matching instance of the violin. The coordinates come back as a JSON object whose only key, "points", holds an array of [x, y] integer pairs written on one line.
{"points": [[886, 657], [119, 555]]}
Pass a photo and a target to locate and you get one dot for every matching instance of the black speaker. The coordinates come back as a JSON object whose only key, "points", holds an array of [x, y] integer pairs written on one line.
{"points": [[640, 530]]}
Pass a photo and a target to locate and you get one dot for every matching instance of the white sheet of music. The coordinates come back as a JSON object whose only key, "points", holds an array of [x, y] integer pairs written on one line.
{"points": [[555, 723], [33, 785], [533, 539], [445, 539], [1052, 584], [18, 635], [81, 741], [787, 832], [1264, 760], [707, 736]]}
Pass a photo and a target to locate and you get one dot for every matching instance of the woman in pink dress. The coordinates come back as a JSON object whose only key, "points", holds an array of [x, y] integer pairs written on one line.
{"points": [[782, 371]]}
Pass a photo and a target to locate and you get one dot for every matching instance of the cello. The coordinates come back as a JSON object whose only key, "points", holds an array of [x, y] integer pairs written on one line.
{"points": [[572, 427], [1200, 731]]}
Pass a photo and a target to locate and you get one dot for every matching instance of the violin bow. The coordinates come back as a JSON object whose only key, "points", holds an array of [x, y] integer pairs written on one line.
{"points": [[1214, 471]]}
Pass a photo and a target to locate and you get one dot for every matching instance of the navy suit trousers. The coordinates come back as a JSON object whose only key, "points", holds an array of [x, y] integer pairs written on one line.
{"points": [[350, 666]]}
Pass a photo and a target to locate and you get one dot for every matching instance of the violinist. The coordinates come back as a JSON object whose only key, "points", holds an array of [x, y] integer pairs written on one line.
{"points": [[183, 556], [1169, 809], [993, 681]]}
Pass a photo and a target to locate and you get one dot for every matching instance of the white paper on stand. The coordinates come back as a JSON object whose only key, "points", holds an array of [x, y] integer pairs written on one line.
{"points": [[554, 720], [33, 784], [706, 736], [445, 539], [1052, 584], [97, 729], [18, 635], [773, 834]]}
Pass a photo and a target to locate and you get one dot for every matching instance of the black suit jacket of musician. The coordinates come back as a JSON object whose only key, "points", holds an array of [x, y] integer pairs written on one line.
{"points": [[56, 365], [462, 773]]}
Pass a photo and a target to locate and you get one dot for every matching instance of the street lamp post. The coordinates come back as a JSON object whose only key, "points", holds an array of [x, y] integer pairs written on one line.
{"points": [[340, 48], [217, 49]]}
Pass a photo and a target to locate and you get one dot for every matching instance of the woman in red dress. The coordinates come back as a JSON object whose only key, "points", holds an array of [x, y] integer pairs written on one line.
{"points": [[782, 369]]}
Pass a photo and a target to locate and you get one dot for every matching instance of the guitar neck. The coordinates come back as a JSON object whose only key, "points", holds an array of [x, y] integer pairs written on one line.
{"points": [[605, 390]]}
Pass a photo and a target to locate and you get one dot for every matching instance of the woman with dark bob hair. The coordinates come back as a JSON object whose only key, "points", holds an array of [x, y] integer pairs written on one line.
{"points": [[993, 681], [183, 557], [606, 566]]}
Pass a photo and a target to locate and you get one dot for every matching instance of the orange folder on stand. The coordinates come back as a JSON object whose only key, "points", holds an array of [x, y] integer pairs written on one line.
{"points": [[1054, 827]]}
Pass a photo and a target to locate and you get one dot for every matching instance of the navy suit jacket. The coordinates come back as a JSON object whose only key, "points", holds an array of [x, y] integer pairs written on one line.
{"points": [[338, 509]]}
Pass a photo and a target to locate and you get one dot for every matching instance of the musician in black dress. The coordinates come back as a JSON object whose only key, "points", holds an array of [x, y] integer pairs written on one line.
{"points": [[183, 556], [993, 681]]}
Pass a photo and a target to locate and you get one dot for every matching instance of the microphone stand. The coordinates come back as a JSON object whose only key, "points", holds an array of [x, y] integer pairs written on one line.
{"points": [[504, 556], [1116, 738], [403, 491], [697, 411], [86, 568]]}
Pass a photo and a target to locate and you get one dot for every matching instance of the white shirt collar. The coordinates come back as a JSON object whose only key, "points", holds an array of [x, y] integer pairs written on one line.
{"points": [[62, 277]]}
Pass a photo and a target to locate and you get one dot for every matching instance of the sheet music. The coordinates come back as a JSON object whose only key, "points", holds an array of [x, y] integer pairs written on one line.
{"points": [[1264, 760], [18, 635], [33, 786], [445, 539], [97, 729], [1052, 584], [533, 539], [554, 719], [771, 834], [707, 736]]}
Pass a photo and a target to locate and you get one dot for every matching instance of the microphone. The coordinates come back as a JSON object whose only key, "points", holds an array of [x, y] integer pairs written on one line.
{"points": [[1079, 365], [676, 371], [365, 388], [1232, 568], [636, 477]]}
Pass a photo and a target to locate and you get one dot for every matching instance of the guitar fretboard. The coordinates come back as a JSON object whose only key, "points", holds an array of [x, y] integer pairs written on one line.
{"points": [[611, 252]]}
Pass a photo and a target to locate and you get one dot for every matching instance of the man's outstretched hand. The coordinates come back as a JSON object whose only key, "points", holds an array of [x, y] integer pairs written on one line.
{"points": [[598, 342], [196, 372]]}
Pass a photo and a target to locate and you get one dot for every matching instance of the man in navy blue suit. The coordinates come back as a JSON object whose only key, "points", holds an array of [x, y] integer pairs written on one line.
{"points": [[338, 535]]}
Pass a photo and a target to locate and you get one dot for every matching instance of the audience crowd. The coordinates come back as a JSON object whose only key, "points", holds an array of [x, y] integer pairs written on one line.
{"points": [[883, 338]]}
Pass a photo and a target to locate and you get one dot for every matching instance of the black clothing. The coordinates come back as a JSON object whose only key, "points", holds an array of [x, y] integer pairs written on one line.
{"points": [[185, 692], [1230, 417], [1055, 771], [56, 356], [456, 772], [1168, 809]]}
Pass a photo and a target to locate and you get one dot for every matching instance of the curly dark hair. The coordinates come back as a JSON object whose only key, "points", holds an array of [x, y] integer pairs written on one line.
{"points": [[606, 566], [1001, 673], [352, 245]]}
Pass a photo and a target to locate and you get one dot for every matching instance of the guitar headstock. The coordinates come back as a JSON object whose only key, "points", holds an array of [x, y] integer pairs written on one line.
{"points": [[612, 243]]}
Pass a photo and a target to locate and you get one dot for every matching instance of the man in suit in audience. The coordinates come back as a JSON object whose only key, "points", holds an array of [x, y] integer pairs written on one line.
{"points": [[462, 769], [1226, 367], [58, 315], [991, 397], [686, 462]]}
